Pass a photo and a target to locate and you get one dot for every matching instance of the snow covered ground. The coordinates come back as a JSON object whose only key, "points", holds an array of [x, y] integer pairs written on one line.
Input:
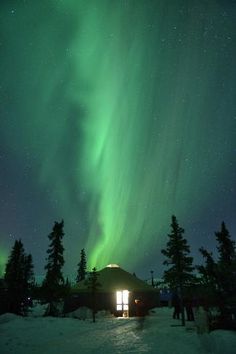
{"points": [[161, 335]]}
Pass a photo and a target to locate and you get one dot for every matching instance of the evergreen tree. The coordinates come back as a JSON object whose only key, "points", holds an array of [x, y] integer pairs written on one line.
{"points": [[226, 262], [226, 246], [179, 274], [29, 280], [53, 285], [67, 286], [219, 277], [93, 286], [209, 277], [19, 278], [82, 266], [29, 271], [209, 270]]}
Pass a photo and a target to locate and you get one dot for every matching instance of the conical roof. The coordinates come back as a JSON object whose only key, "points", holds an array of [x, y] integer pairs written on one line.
{"points": [[113, 278]]}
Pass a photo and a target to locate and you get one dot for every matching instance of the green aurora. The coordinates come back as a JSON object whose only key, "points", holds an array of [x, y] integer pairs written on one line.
{"points": [[3, 259], [119, 108]]}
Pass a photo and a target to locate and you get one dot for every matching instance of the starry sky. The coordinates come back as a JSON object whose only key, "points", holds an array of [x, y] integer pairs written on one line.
{"points": [[114, 115]]}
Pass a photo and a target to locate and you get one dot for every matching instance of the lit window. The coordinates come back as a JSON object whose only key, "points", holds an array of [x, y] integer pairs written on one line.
{"points": [[119, 297], [125, 297], [122, 300]]}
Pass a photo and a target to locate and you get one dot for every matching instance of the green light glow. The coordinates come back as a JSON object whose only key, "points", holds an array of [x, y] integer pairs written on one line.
{"points": [[3, 260], [146, 136], [119, 108]]}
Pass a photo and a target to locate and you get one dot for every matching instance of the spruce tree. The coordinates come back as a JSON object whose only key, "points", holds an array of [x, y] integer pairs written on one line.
{"points": [[219, 277], [226, 246], [208, 271], [19, 278], [93, 285], [53, 285], [179, 274], [209, 278], [28, 271], [29, 281], [81, 266], [226, 263]]}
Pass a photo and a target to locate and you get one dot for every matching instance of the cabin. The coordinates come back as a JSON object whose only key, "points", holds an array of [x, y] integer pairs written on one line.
{"points": [[117, 292]]}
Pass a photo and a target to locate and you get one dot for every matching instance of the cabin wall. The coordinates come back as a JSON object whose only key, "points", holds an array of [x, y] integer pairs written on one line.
{"points": [[107, 301]]}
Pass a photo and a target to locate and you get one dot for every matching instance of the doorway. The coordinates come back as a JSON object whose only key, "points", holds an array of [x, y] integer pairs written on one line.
{"points": [[122, 302]]}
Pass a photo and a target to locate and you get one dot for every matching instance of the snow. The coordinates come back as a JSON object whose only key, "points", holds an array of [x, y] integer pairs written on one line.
{"points": [[38, 310], [160, 334]]}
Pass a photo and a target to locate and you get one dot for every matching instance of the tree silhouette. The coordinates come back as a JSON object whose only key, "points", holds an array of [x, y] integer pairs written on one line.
{"points": [[219, 277], [179, 262], [226, 263], [81, 266], [226, 246], [209, 276], [209, 270], [53, 285], [19, 278], [93, 286]]}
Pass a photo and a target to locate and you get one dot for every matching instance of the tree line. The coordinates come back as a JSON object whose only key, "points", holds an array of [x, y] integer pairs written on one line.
{"points": [[20, 281], [214, 281]]}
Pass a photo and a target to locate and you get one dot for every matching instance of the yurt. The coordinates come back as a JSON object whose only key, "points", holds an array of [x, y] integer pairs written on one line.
{"points": [[116, 291]]}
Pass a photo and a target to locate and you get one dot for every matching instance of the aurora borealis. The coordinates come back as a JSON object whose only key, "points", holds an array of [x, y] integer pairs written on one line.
{"points": [[114, 116]]}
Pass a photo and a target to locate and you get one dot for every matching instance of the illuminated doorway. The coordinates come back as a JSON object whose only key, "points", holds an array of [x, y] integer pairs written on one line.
{"points": [[122, 302]]}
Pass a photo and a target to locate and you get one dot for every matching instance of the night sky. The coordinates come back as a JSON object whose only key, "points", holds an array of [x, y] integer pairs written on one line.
{"points": [[114, 115]]}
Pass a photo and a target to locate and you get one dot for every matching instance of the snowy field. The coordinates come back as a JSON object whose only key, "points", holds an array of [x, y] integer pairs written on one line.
{"points": [[160, 334]]}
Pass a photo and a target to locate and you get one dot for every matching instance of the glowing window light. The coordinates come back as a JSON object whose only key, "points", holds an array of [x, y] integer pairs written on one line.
{"points": [[119, 297], [122, 300], [125, 297]]}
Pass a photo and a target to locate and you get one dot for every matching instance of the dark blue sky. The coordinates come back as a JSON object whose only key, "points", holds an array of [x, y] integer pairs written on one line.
{"points": [[114, 116]]}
